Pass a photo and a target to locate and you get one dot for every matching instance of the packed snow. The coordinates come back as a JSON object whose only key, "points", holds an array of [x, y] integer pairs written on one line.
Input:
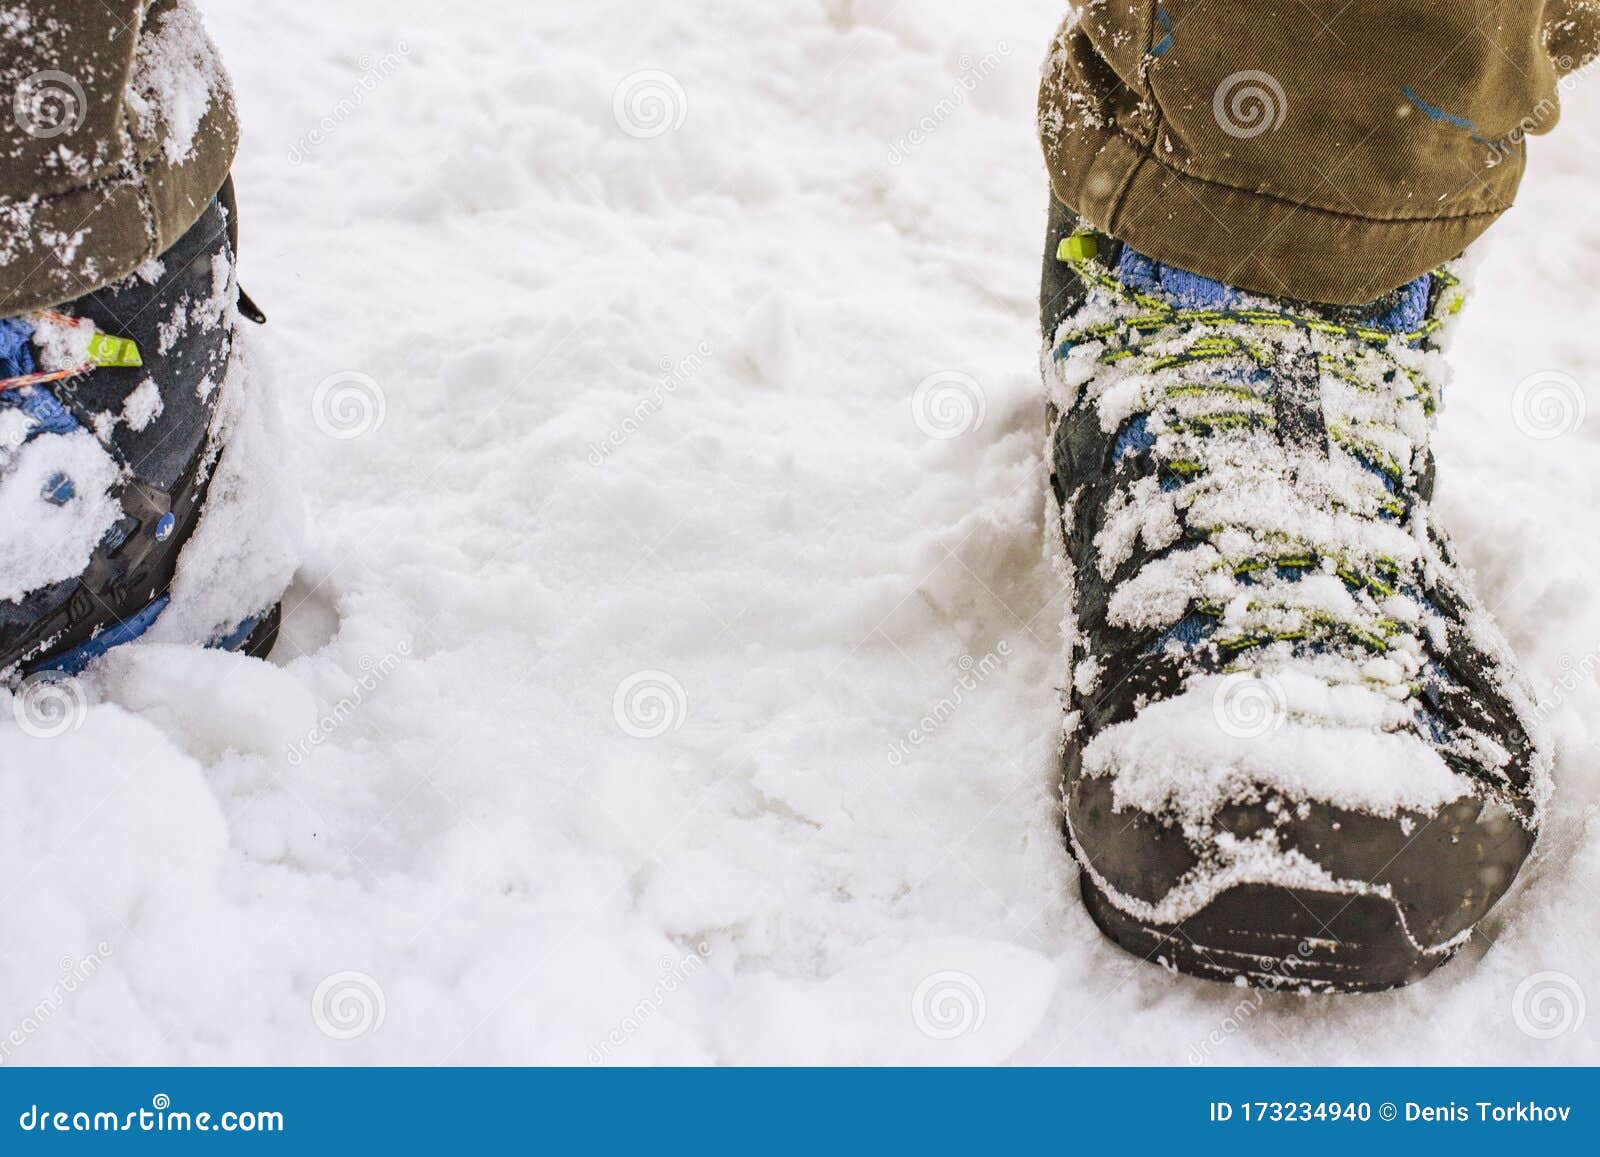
{"points": [[672, 672], [63, 538]]}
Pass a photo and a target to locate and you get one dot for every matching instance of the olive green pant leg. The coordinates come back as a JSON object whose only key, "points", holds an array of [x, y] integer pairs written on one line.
{"points": [[104, 160], [1321, 151]]}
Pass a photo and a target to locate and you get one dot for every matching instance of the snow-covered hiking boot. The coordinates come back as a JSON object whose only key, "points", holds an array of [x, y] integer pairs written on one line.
{"points": [[112, 422], [1296, 750]]}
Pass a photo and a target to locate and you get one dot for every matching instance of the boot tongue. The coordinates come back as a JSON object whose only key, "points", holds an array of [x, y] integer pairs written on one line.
{"points": [[1398, 311]]}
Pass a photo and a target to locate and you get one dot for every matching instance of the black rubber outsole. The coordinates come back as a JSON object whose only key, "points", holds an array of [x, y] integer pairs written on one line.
{"points": [[263, 637], [1277, 938]]}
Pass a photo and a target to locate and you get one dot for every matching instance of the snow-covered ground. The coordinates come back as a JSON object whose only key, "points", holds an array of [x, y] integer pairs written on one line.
{"points": [[607, 725]]}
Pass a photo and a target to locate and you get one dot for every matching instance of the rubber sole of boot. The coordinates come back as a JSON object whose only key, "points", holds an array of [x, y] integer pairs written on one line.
{"points": [[263, 637], [1277, 938]]}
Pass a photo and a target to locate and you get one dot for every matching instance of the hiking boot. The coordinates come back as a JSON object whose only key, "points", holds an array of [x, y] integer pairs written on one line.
{"points": [[1296, 751], [112, 421]]}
